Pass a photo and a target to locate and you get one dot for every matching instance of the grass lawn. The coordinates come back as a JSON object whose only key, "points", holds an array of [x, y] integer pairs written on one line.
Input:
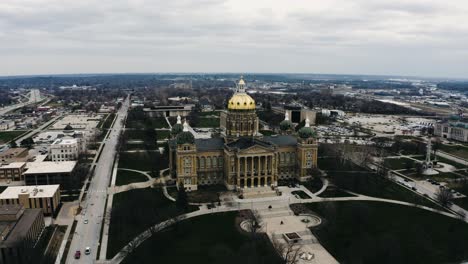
{"points": [[334, 164], [125, 177], [398, 163], [205, 194], [211, 113], [134, 211], [7, 136], [460, 151], [389, 233], [267, 132], [301, 194], [462, 202], [370, 184], [109, 120], [444, 176], [145, 161], [451, 162], [335, 192], [207, 122], [149, 122], [162, 134], [314, 184], [208, 239]]}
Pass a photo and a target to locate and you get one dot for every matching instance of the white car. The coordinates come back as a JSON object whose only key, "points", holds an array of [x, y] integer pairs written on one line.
{"points": [[87, 250], [85, 221]]}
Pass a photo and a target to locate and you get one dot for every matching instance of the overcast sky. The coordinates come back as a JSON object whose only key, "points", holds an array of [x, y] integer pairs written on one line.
{"points": [[398, 37]]}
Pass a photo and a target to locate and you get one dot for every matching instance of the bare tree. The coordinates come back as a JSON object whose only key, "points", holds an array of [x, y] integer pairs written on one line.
{"points": [[444, 196], [289, 252], [255, 222]]}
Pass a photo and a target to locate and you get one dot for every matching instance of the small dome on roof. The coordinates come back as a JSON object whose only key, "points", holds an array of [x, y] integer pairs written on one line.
{"points": [[176, 129], [307, 131], [68, 128], [286, 124], [185, 137]]}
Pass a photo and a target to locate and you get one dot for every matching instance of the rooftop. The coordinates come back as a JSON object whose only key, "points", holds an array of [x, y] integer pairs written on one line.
{"points": [[207, 144], [65, 141], [50, 167], [282, 140], [13, 165], [41, 191]]}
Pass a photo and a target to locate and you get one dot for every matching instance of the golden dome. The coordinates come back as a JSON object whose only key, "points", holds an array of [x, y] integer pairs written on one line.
{"points": [[241, 101]]}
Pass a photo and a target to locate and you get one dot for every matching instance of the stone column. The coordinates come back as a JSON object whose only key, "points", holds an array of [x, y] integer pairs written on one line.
{"points": [[245, 167], [238, 172], [259, 170], [252, 168]]}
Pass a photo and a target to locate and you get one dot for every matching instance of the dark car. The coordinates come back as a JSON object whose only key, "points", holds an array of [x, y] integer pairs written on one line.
{"points": [[77, 254]]}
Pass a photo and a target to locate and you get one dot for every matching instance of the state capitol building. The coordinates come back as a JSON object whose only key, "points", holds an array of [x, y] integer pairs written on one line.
{"points": [[242, 158]]}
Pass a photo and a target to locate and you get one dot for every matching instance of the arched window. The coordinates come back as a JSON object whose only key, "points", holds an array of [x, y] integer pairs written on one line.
{"points": [[208, 162], [202, 162], [215, 162]]}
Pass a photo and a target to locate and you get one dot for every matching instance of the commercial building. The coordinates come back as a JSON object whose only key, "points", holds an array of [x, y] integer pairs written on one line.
{"points": [[45, 197], [12, 172], [169, 110], [7, 124], [243, 158], [49, 172], [452, 130], [64, 149], [20, 229], [14, 155]]}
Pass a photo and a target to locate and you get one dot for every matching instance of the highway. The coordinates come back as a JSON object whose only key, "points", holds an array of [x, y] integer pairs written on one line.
{"points": [[34, 97], [87, 235]]}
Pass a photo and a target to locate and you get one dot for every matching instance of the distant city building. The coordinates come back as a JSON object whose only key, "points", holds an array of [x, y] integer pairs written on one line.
{"points": [[20, 229], [49, 172], [452, 130], [14, 155], [45, 197], [64, 149], [12, 172], [169, 111], [7, 124], [298, 114]]}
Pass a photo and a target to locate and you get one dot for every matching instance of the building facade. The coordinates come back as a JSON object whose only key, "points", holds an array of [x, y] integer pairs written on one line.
{"points": [[20, 230], [242, 158], [65, 149], [12, 172], [452, 130], [45, 197]]}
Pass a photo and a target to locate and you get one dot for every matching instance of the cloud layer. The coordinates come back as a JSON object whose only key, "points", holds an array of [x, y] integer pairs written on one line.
{"points": [[407, 37]]}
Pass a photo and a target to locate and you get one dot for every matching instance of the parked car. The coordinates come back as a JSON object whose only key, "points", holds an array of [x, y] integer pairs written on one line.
{"points": [[77, 254], [87, 251]]}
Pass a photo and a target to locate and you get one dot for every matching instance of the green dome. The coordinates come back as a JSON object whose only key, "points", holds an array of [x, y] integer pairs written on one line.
{"points": [[176, 129], [306, 132], [185, 138], [285, 125]]}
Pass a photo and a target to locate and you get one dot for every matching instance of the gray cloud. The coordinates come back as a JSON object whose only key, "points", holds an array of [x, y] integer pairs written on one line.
{"points": [[356, 36]]}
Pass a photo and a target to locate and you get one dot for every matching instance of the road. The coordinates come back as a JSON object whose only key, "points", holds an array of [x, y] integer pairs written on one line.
{"points": [[428, 189], [34, 97], [87, 235]]}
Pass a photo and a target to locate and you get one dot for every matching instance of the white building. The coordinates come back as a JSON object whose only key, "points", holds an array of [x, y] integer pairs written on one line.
{"points": [[65, 149], [7, 124]]}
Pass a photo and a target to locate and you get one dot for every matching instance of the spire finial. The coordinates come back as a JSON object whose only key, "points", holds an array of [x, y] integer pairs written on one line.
{"points": [[179, 120], [307, 122], [186, 126], [286, 116], [241, 85]]}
